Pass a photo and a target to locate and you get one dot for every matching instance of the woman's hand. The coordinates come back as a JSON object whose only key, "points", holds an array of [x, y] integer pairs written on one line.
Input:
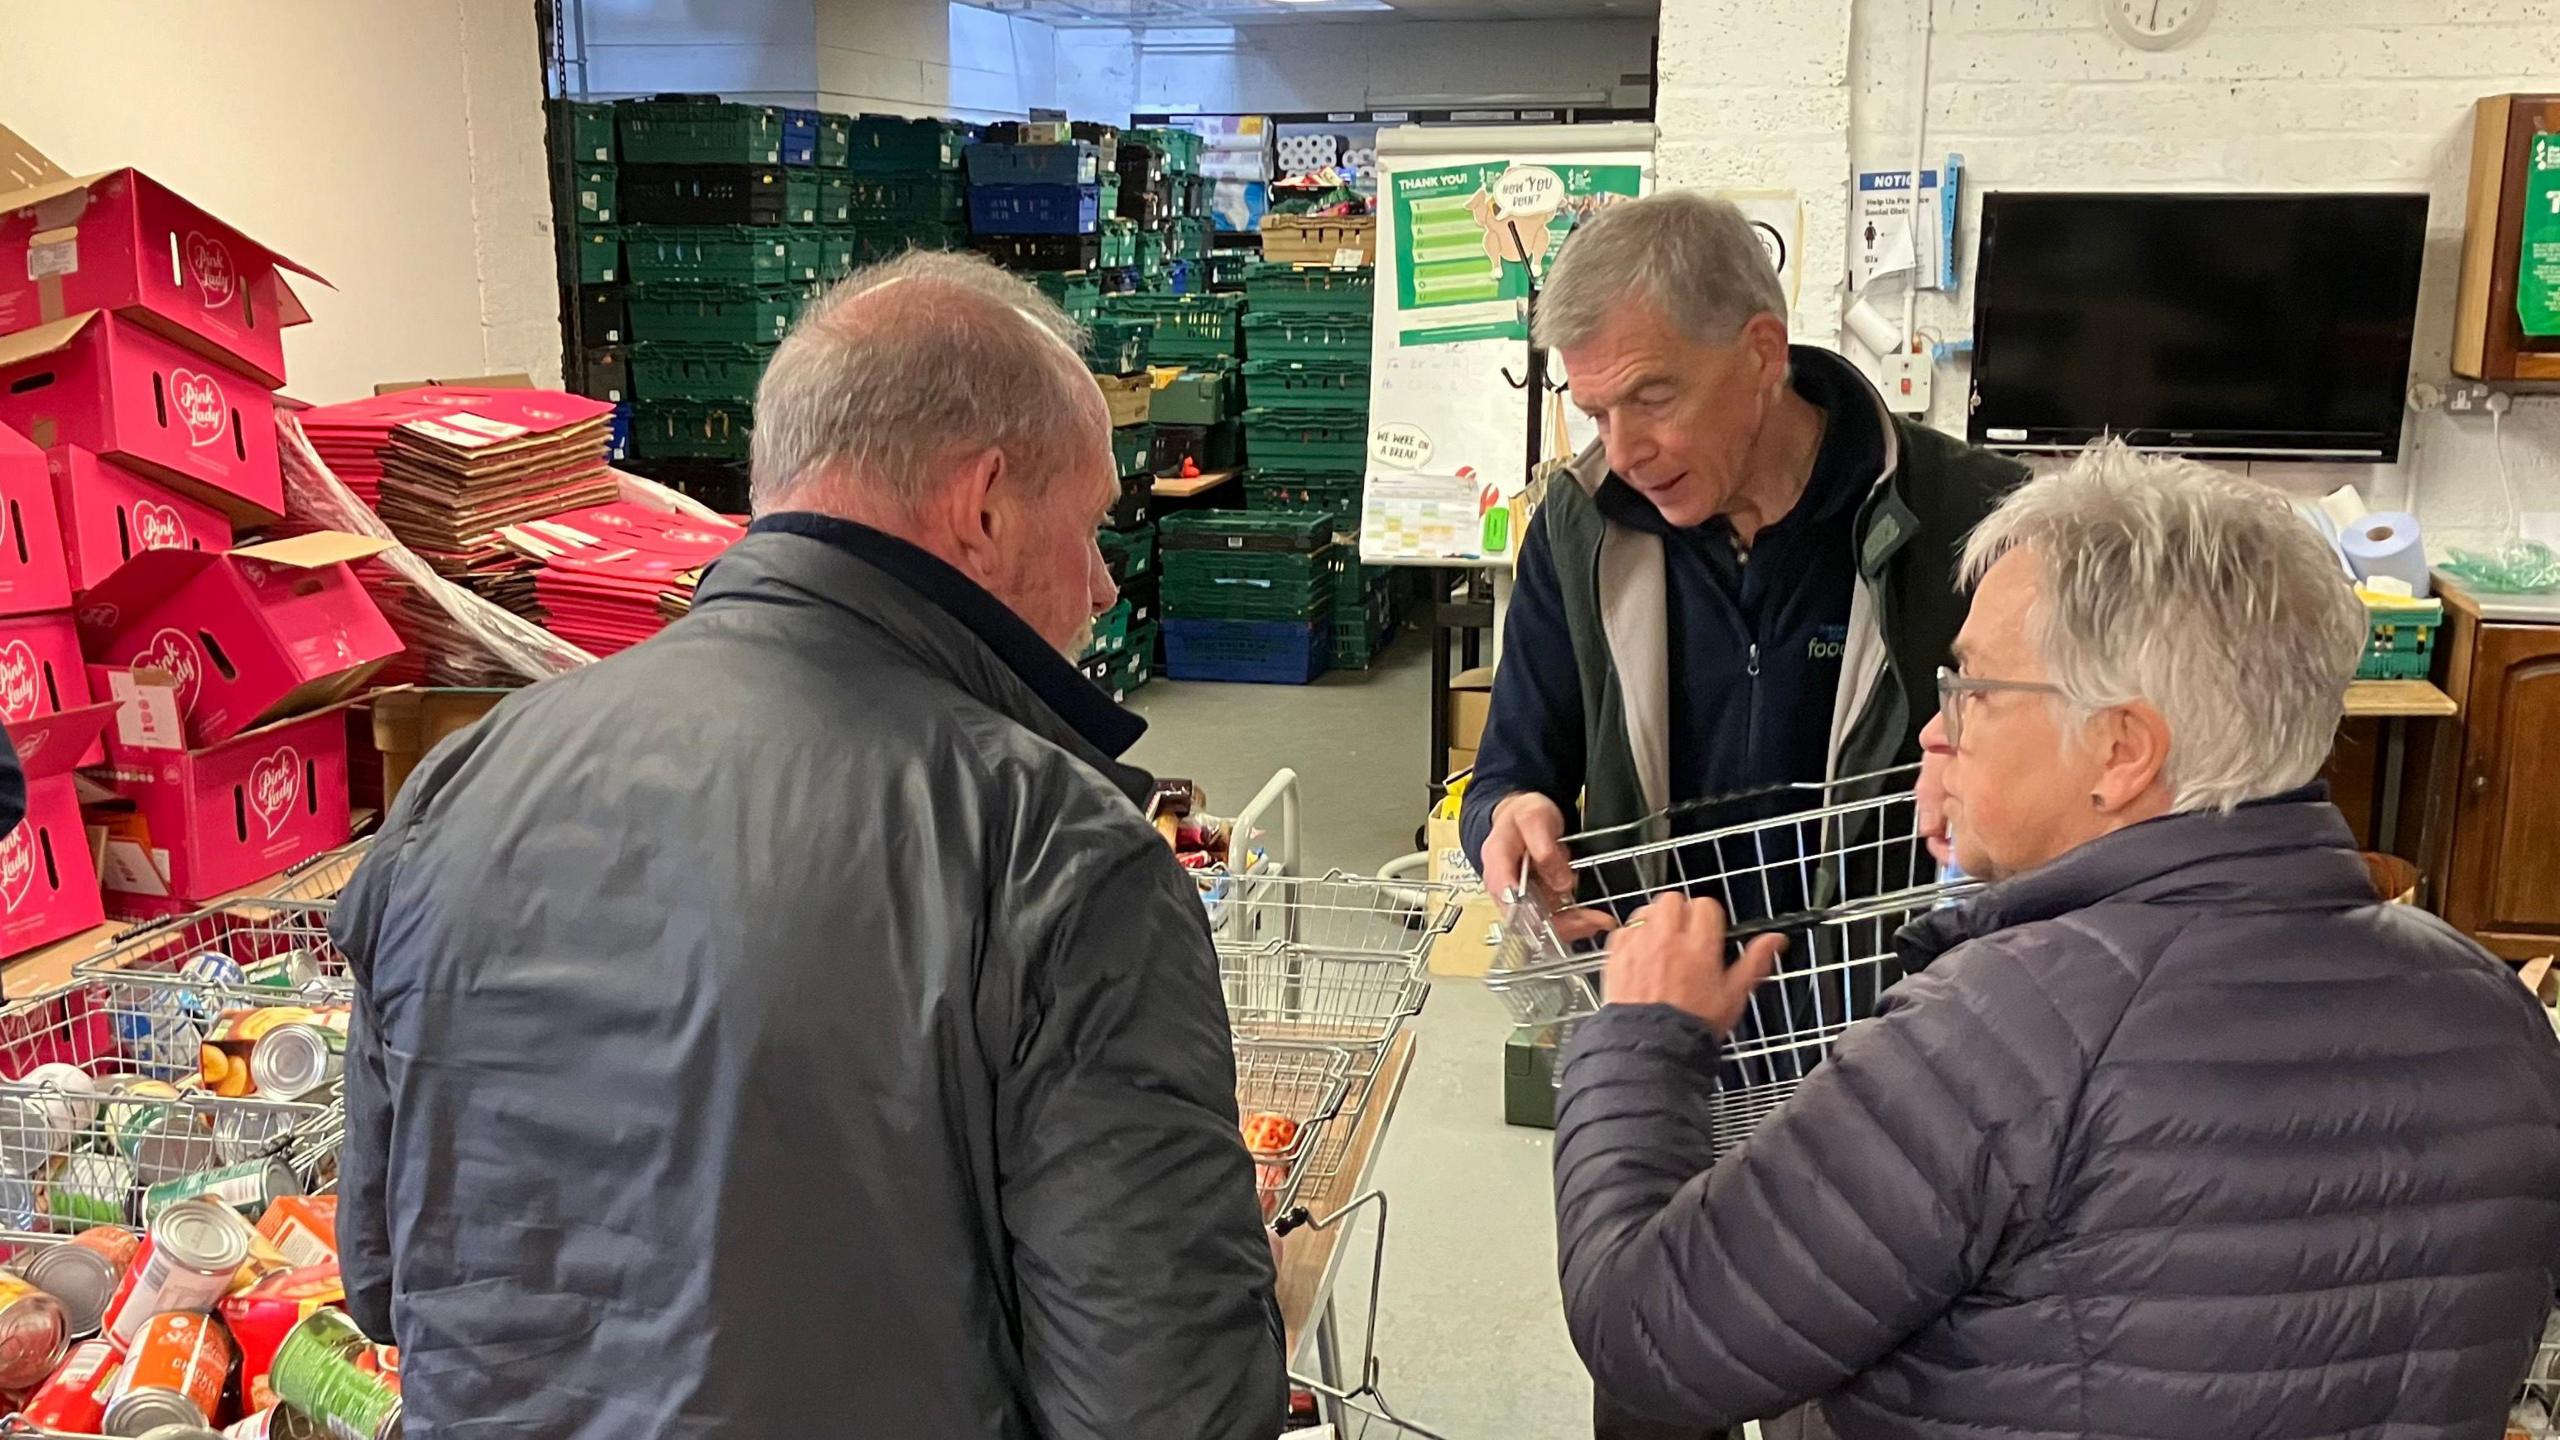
{"points": [[1673, 953]]}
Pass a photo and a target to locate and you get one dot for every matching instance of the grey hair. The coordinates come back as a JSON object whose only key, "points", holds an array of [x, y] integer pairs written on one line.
{"points": [[899, 365], [1694, 258], [2197, 591]]}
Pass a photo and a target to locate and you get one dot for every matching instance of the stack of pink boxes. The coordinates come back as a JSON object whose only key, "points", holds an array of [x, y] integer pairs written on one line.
{"points": [[141, 341]]}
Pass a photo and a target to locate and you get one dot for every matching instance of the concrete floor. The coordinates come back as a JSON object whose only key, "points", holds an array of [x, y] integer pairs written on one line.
{"points": [[1470, 1338]]}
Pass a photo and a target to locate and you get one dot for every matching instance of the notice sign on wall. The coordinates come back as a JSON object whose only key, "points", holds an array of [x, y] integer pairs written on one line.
{"points": [[1470, 239], [2538, 287]]}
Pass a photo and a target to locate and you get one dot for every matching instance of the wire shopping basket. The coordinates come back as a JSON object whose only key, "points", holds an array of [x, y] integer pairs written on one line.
{"points": [[1301, 1083], [239, 951], [1837, 867], [1337, 913], [2536, 1413]]}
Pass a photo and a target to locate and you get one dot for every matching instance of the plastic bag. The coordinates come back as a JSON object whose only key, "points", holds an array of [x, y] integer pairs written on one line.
{"points": [[460, 638], [2519, 567]]}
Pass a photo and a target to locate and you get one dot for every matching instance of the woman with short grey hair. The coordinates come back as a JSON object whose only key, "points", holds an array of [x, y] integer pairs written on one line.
{"points": [[2177, 1131]]}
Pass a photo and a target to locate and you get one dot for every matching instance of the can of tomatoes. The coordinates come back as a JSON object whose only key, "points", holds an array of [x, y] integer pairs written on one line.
{"points": [[75, 1399], [321, 1370], [173, 1377]]}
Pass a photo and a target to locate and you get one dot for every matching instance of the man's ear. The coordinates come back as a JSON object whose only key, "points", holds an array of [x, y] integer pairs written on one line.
{"points": [[1766, 337], [2132, 742], [963, 510]]}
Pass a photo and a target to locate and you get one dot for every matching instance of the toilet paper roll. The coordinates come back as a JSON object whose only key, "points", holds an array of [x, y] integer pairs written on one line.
{"points": [[2387, 543], [2343, 506]]}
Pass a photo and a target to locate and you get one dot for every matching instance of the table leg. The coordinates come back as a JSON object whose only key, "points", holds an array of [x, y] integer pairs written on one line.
{"points": [[1328, 1368], [2395, 758]]}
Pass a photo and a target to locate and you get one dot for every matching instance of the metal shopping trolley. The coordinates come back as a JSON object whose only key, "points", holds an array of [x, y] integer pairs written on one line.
{"points": [[237, 950], [1837, 867]]}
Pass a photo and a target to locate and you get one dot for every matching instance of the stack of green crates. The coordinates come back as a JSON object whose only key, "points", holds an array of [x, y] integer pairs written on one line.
{"points": [[1306, 383], [1249, 595], [904, 188], [587, 219], [708, 303]]}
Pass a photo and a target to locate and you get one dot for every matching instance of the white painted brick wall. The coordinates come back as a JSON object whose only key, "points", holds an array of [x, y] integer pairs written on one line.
{"points": [[2038, 94]]}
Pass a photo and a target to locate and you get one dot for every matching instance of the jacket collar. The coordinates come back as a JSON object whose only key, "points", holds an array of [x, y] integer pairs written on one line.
{"points": [[946, 624], [2288, 852]]}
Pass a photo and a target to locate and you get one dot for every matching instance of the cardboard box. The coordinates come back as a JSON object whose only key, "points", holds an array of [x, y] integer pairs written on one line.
{"points": [[32, 575], [48, 883], [122, 241], [1468, 949], [110, 514], [409, 723], [212, 818], [1470, 701], [248, 636], [112, 387], [1459, 758]]}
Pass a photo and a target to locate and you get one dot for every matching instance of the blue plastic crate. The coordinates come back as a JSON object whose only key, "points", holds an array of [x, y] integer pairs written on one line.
{"points": [[617, 445], [1035, 209], [994, 164], [799, 137], [1178, 278], [1253, 652]]}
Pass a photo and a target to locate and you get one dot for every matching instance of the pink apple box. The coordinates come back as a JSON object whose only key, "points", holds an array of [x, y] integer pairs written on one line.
{"points": [[209, 820], [109, 386], [48, 885], [248, 636], [41, 672], [32, 573], [109, 514], [122, 241]]}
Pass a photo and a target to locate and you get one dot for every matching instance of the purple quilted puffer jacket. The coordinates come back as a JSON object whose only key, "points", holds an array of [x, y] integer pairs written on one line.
{"points": [[2183, 1135]]}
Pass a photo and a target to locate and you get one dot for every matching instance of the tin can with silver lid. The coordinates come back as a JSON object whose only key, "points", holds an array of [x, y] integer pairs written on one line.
{"points": [[34, 1336], [193, 1251], [173, 1375], [82, 1278], [292, 1061], [248, 1187]]}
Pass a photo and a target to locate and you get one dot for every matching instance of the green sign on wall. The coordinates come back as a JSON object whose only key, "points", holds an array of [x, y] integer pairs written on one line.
{"points": [[2538, 287]]}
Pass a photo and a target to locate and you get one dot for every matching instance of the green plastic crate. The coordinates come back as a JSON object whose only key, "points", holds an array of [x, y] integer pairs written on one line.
{"points": [[1336, 495], [1128, 553], [1308, 384], [1187, 240], [835, 199], [713, 254], [1078, 292], [1132, 446], [836, 249], [1224, 530], [692, 132], [597, 254], [1119, 243], [749, 313], [1180, 148], [590, 197], [897, 145], [806, 247], [679, 428], [698, 369], [581, 131], [800, 196], [1294, 438], [1135, 665], [1203, 395], [1227, 267], [875, 243], [1188, 327], [1309, 289], [1110, 632], [1305, 337], [1118, 344], [835, 139]]}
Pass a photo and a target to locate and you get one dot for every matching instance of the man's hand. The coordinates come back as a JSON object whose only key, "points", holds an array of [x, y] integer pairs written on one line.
{"points": [[1672, 953], [1528, 831], [1930, 794]]}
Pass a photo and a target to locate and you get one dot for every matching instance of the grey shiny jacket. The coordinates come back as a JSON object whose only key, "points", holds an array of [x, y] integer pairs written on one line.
{"points": [[2181, 1136], [790, 1027]]}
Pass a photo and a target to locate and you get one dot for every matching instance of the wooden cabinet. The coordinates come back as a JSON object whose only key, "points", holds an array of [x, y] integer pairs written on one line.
{"points": [[2489, 342], [2501, 878]]}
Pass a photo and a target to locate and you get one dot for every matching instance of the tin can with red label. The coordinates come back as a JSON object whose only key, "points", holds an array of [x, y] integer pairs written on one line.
{"points": [[262, 1315], [174, 1376], [194, 1251], [75, 1399], [33, 1334]]}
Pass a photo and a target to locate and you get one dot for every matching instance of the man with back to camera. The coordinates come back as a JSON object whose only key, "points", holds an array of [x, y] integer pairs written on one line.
{"points": [[1748, 580], [790, 1026]]}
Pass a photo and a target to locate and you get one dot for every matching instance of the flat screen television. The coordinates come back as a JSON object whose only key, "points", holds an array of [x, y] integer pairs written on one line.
{"points": [[2237, 326]]}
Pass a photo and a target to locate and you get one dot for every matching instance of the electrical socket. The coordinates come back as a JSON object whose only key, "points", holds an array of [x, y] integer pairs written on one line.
{"points": [[2466, 397], [1906, 382]]}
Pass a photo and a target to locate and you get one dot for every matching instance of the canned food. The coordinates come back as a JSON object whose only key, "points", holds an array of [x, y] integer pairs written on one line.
{"points": [[215, 969], [21, 1207], [179, 1431], [34, 1129], [278, 1422], [253, 1132], [75, 1399], [292, 1061], [69, 1088], [319, 1370], [90, 1189], [115, 1242], [33, 1333], [188, 1260], [248, 1187], [261, 1316], [163, 1141], [173, 1375], [82, 1278], [297, 970], [159, 1036], [303, 1227]]}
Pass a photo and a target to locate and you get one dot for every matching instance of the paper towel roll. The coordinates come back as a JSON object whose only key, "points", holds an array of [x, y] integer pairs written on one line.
{"points": [[2343, 506], [2387, 543]]}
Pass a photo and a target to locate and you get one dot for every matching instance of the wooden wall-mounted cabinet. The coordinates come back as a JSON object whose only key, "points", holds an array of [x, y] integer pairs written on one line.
{"points": [[2489, 342]]}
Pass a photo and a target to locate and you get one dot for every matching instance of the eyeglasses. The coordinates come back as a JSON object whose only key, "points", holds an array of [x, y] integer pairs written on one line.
{"points": [[1953, 689]]}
